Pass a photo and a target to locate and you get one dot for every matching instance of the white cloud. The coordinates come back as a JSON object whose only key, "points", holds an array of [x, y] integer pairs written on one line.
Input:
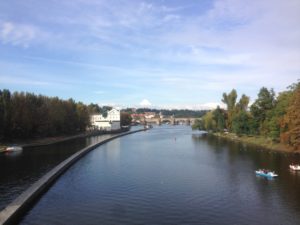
{"points": [[145, 103], [123, 45], [18, 34], [259, 34]]}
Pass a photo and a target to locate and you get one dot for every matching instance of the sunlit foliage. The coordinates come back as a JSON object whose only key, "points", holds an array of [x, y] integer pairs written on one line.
{"points": [[276, 118]]}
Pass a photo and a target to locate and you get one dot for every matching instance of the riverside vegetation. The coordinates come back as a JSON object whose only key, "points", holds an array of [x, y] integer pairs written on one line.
{"points": [[271, 121], [28, 116]]}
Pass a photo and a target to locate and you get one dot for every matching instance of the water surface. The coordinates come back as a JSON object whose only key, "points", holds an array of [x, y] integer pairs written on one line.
{"points": [[18, 170], [172, 175]]}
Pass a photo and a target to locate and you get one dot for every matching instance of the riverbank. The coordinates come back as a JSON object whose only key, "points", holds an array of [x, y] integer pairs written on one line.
{"points": [[12, 211], [259, 141], [35, 142]]}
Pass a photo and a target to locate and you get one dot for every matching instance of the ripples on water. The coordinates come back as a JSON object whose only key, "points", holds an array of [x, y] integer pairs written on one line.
{"points": [[18, 170], [172, 175]]}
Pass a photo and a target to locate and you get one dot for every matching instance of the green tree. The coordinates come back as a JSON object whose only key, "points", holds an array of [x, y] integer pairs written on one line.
{"points": [[104, 110], [219, 118], [94, 109], [242, 105], [275, 115], [24, 115], [230, 101], [262, 105], [125, 119], [198, 125], [241, 123], [82, 116], [6, 103], [209, 122]]}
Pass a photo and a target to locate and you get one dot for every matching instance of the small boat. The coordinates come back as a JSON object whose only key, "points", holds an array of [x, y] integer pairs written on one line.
{"points": [[295, 167], [265, 173], [13, 149]]}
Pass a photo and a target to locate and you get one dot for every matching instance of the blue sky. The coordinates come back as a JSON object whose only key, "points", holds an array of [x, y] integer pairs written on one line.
{"points": [[167, 53]]}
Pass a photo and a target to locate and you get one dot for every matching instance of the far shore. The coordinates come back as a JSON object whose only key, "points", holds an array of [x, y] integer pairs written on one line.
{"points": [[259, 141], [35, 142]]}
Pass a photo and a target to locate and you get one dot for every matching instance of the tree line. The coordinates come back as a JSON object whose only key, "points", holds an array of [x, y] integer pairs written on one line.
{"points": [[26, 115], [275, 117]]}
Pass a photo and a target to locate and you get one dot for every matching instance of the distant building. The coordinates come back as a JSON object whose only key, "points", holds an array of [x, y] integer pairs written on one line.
{"points": [[161, 115], [110, 122], [150, 115], [138, 118], [135, 116]]}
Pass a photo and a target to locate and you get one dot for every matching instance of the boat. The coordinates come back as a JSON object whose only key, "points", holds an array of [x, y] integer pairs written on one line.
{"points": [[295, 167], [13, 149], [265, 173]]}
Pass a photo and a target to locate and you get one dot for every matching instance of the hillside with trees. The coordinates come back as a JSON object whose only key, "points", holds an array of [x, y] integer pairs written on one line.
{"points": [[276, 118]]}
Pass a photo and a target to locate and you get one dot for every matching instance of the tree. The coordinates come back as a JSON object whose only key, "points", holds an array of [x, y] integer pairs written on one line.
{"points": [[93, 109], [198, 125], [104, 110], [82, 116], [242, 105], [125, 119], [219, 119], [230, 101], [26, 115], [1, 116], [261, 106], [290, 123], [275, 115], [209, 122], [6, 104], [241, 123]]}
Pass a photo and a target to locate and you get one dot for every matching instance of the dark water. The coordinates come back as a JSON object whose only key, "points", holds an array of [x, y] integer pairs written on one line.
{"points": [[170, 175], [18, 170]]}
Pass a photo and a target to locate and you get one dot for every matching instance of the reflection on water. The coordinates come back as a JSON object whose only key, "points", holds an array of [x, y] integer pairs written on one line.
{"points": [[12, 153], [172, 175], [114, 153], [19, 169], [288, 180]]}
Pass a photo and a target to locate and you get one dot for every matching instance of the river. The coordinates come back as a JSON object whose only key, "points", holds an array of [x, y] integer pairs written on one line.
{"points": [[172, 175], [18, 170]]}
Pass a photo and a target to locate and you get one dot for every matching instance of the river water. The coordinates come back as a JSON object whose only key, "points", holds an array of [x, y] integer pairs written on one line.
{"points": [[172, 175], [18, 170]]}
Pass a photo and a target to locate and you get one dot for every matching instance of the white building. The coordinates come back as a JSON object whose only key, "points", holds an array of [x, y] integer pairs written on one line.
{"points": [[150, 115], [110, 122]]}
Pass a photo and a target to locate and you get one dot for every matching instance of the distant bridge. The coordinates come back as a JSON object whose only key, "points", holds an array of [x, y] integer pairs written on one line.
{"points": [[171, 120]]}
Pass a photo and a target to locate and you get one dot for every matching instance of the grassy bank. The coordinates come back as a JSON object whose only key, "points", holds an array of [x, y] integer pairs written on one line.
{"points": [[259, 141]]}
